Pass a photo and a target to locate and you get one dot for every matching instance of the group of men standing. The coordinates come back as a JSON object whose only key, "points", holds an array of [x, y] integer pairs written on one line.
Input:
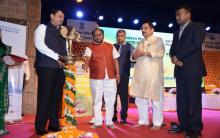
{"points": [[109, 67], [147, 81]]}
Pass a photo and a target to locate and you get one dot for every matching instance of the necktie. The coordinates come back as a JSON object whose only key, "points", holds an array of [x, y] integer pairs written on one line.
{"points": [[120, 49], [181, 31]]}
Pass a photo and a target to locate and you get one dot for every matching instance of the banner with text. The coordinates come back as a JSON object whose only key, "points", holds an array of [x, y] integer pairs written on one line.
{"points": [[84, 28], [14, 35], [83, 92], [134, 36]]}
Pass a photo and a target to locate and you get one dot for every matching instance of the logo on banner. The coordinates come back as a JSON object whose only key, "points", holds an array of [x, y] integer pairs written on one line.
{"points": [[81, 25], [85, 28]]}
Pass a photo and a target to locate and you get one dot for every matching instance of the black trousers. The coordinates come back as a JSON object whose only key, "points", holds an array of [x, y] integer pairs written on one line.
{"points": [[122, 91], [189, 103], [50, 86]]}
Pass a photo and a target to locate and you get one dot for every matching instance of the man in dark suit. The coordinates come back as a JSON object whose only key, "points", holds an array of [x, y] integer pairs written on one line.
{"points": [[125, 50], [186, 54], [50, 48]]}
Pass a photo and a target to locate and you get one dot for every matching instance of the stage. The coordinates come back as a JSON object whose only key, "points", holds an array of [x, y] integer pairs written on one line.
{"points": [[211, 119]]}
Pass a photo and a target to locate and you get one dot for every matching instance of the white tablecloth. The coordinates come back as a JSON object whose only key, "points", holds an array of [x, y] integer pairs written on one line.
{"points": [[169, 103], [209, 101]]}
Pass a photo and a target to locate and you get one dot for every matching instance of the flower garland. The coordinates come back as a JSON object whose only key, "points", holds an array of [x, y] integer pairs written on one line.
{"points": [[68, 101], [71, 132], [68, 121]]}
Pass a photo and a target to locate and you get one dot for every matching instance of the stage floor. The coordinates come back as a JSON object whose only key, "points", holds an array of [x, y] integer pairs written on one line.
{"points": [[211, 119]]}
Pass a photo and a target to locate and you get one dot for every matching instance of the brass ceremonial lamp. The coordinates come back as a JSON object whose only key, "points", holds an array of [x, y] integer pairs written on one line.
{"points": [[69, 91], [73, 36]]}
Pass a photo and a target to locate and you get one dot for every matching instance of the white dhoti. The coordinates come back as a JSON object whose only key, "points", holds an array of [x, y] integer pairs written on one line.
{"points": [[143, 105], [108, 88]]}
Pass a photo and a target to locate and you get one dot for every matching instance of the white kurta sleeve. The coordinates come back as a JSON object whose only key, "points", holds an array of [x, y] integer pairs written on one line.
{"points": [[39, 36], [133, 53], [115, 53], [159, 51]]}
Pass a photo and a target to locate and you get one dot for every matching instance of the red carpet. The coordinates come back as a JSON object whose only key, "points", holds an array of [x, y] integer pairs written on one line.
{"points": [[211, 119]]}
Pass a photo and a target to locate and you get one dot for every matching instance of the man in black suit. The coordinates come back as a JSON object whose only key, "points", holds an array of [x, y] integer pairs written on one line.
{"points": [[50, 48], [125, 50], [186, 54]]}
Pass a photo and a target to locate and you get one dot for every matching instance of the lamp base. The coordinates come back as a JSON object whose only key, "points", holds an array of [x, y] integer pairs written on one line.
{"points": [[71, 59]]}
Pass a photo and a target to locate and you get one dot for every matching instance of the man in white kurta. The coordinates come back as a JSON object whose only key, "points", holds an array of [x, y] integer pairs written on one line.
{"points": [[147, 83]]}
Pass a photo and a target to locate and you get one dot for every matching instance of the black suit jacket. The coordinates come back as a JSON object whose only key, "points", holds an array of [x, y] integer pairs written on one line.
{"points": [[188, 49]]}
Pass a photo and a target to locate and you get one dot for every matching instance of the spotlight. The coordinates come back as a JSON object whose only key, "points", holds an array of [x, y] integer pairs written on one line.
{"points": [[207, 28], [79, 1], [136, 21], [101, 18], [79, 14], [170, 25], [154, 23], [120, 19]]}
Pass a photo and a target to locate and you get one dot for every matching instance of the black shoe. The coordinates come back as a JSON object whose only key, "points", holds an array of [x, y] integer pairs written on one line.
{"points": [[53, 129], [114, 119], [175, 128], [41, 132], [175, 131], [123, 121]]}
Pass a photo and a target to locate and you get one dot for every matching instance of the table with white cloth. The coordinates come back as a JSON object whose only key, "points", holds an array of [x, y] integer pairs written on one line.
{"points": [[209, 101]]}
